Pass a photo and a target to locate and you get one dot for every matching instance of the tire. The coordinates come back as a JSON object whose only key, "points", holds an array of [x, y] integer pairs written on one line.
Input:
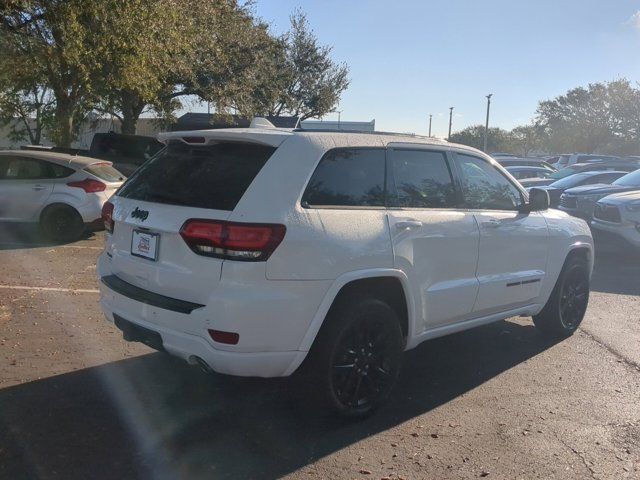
{"points": [[356, 358], [568, 302], [61, 223]]}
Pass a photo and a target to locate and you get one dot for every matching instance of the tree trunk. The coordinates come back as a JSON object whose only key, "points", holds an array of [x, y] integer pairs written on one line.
{"points": [[63, 123], [132, 106]]}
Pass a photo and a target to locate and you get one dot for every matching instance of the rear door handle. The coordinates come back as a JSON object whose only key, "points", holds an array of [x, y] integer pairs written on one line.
{"points": [[408, 224], [491, 224], [39, 187]]}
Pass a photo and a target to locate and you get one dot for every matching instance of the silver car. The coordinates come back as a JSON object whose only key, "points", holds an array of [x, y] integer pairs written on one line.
{"points": [[61, 192]]}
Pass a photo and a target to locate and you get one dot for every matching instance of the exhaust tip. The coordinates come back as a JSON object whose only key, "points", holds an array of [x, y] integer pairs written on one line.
{"points": [[204, 366]]}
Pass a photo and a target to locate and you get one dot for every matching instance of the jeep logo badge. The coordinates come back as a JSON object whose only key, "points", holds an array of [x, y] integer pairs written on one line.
{"points": [[141, 214]]}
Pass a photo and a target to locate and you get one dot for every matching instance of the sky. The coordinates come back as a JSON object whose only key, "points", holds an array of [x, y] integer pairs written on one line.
{"points": [[411, 58]]}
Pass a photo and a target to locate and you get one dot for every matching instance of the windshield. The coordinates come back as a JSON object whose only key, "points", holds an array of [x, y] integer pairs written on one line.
{"points": [[629, 180], [571, 181], [565, 172]]}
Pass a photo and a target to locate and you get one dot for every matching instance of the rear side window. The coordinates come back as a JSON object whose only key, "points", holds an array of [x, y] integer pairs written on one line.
{"points": [[105, 172], [349, 177], [213, 176], [60, 171], [422, 180]]}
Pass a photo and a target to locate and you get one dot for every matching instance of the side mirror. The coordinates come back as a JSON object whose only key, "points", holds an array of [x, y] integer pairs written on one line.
{"points": [[538, 200]]}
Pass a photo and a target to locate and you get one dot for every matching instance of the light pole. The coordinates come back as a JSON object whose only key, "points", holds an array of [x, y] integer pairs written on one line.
{"points": [[486, 125], [450, 120], [339, 112], [430, 124]]}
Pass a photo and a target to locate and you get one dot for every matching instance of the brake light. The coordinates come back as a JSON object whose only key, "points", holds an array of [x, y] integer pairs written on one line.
{"points": [[232, 240], [107, 216], [89, 185]]}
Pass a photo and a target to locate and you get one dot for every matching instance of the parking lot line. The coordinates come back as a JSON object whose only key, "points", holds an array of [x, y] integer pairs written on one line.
{"points": [[49, 289]]}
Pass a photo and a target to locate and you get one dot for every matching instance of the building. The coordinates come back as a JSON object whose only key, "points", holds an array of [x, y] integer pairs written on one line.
{"points": [[339, 125]]}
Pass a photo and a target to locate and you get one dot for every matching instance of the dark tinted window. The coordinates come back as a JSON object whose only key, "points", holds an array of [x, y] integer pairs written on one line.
{"points": [[484, 187], [214, 176], [22, 168], [59, 171], [105, 171], [348, 177], [422, 179]]}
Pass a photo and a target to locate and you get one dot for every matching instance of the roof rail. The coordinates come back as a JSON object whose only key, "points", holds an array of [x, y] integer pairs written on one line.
{"points": [[367, 132]]}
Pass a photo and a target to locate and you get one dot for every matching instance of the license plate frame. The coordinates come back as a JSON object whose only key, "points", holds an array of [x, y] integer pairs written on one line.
{"points": [[147, 245]]}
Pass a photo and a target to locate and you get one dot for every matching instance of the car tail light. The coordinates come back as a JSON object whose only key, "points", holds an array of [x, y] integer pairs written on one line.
{"points": [[231, 240], [230, 338], [89, 185], [107, 216]]}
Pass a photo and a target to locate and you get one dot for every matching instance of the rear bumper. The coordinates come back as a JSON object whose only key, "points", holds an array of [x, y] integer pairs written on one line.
{"points": [[271, 328], [191, 348]]}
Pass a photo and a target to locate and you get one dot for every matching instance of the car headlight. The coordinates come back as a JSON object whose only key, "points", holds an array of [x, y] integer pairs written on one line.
{"points": [[632, 207]]}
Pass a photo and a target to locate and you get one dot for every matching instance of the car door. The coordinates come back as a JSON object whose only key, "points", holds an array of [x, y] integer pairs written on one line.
{"points": [[25, 186], [434, 242], [513, 249]]}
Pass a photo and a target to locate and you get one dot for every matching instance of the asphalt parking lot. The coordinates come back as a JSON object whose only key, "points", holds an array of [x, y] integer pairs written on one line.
{"points": [[76, 401]]}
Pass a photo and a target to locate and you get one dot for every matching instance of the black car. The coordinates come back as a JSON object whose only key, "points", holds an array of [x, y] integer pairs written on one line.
{"points": [[557, 188], [617, 165], [581, 201]]}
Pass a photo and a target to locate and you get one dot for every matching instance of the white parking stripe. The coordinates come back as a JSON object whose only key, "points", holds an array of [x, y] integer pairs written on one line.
{"points": [[49, 289]]}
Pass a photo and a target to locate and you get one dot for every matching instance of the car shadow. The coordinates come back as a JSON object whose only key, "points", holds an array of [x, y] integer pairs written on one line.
{"points": [[14, 236], [155, 417]]}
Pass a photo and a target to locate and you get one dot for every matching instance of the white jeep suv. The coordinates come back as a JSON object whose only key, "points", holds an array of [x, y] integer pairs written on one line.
{"points": [[251, 251]]}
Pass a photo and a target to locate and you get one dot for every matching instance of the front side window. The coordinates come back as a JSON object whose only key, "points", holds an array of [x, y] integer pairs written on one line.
{"points": [[22, 168], [422, 179], [349, 177], [484, 187]]}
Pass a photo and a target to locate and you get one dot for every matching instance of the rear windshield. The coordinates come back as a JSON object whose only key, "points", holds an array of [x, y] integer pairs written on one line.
{"points": [[105, 172], [214, 176]]}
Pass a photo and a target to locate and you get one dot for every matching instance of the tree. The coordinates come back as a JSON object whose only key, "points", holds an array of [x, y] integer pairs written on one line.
{"points": [[27, 110], [53, 40], [473, 136], [589, 119], [310, 82], [525, 138]]}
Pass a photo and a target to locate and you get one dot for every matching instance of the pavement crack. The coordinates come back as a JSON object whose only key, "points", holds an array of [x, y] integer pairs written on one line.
{"points": [[578, 454], [613, 351]]}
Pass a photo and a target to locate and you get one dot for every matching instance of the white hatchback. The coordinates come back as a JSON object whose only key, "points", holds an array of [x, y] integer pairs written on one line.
{"points": [[63, 193], [251, 251]]}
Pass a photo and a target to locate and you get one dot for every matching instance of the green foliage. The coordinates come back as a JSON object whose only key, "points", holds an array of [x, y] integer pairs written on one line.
{"points": [[124, 56], [473, 136], [603, 117], [309, 83]]}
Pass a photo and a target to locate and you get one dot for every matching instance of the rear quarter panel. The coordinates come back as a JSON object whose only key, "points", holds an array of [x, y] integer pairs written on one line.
{"points": [[320, 243]]}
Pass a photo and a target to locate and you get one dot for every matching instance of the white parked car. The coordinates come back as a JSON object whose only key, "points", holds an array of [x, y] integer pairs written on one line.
{"points": [[251, 251], [64, 193], [619, 215]]}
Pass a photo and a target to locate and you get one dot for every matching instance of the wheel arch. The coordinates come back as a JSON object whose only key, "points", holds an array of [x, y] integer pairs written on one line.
{"points": [[51, 205], [391, 284], [583, 250]]}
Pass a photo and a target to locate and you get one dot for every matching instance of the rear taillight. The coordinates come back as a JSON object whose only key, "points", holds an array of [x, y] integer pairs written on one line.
{"points": [[89, 185], [107, 216], [231, 240]]}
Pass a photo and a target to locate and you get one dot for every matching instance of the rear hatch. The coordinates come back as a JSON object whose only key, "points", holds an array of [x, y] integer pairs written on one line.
{"points": [[185, 181], [107, 174]]}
